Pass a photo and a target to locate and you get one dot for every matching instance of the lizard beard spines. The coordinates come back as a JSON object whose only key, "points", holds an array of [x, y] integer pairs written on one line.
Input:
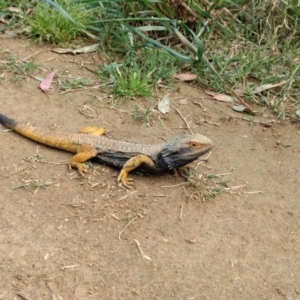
{"points": [[167, 155], [165, 162]]}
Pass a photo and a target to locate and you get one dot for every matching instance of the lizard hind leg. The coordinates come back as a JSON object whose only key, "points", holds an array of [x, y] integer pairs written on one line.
{"points": [[93, 130], [84, 153], [132, 164]]}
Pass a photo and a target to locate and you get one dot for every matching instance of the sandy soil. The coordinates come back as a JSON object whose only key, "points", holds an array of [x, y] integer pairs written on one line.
{"points": [[65, 237]]}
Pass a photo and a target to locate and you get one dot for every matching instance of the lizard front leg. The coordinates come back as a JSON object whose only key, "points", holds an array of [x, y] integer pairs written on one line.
{"points": [[132, 164], [84, 153]]}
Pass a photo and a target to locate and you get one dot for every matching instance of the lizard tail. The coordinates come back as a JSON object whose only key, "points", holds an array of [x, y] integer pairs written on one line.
{"points": [[10, 123], [53, 139]]}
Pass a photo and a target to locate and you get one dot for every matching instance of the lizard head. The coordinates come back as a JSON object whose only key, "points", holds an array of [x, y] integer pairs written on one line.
{"points": [[185, 149]]}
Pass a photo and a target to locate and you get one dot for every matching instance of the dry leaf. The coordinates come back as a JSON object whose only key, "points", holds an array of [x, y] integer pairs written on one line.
{"points": [[242, 108], [58, 297], [183, 101], [46, 83], [223, 98], [240, 92], [185, 77], [264, 87], [87, 49], [14, 9], [164, 104], [210, 93], [63, 50]]}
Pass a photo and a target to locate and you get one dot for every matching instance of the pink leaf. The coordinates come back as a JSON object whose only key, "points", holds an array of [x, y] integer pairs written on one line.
{"points": [[219, 97], [185, 77], [46, 83]]}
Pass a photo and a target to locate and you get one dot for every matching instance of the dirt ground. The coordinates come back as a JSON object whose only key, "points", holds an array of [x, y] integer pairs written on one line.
{"points": [[67, 237]]}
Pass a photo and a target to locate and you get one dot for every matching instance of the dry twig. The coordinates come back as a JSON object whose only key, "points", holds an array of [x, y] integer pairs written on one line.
{"points": [[124, 197], [236, 187], [69, 267], [115, 217], [164, 125], [199, 104], [181, 211], [120, 233], [184, 120], [171, 186], [141, 250], [254, 192], [23, 296]]}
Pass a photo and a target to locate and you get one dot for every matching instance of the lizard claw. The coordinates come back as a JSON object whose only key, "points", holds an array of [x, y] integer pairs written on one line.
{"points": [[82, 168], [127, 182]]}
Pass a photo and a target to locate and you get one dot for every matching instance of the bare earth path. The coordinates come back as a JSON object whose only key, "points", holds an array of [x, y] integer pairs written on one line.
{"points": [[65, 240]]}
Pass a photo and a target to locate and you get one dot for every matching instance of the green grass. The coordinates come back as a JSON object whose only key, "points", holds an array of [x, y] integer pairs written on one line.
{"points": [[18, 70], [125, 82], [143, 115], [257, 44], [33, 183], [74, 83], [132, 83], [139, 73], [50, 25], [228, 44]]}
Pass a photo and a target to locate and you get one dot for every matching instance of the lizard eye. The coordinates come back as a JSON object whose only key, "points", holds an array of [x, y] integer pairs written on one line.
{"points": [[194, 145]]}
